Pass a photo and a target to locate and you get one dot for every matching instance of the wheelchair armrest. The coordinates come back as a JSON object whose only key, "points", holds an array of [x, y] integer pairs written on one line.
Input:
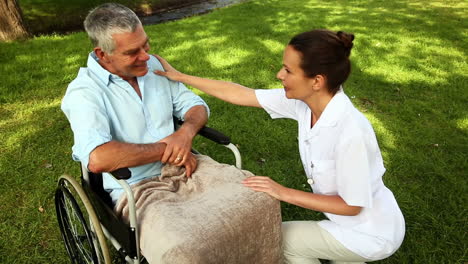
{"points": [[121, 174], [209, 133], [214, 135]]}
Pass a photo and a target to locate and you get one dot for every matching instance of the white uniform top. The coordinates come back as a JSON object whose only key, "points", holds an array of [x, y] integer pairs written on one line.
{"points": [[341, 157]]}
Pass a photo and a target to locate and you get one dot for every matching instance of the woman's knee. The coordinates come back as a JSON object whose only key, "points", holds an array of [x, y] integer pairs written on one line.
{"points": [[298, 240]]}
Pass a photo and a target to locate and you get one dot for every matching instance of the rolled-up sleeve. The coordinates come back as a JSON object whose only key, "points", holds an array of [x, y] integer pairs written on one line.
{"points": [[184, 99], [88, 119], [276, 104]]}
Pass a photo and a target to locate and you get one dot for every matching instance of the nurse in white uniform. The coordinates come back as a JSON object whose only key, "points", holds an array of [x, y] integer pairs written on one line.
{"points": [[338, 149]]}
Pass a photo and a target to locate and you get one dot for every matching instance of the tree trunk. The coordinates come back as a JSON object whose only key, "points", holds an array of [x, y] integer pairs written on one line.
{"points": [[11, 21]]}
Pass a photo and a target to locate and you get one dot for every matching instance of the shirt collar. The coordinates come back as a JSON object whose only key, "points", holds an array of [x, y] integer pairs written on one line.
{"points": [[97, 69], [334, 109]]}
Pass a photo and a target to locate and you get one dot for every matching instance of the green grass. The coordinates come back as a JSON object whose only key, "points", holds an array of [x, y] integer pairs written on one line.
{"points": [[409, 78]]}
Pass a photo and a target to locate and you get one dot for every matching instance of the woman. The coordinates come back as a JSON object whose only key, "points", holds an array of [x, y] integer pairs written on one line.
{"points": [[338, 149]]}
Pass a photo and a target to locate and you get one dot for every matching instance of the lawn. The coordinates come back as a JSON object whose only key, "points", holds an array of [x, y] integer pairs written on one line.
{"points": [[409, 77]]}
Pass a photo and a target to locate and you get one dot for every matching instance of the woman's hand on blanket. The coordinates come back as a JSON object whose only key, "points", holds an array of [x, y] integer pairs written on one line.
{"points": [[265, 184], [169, 71]]}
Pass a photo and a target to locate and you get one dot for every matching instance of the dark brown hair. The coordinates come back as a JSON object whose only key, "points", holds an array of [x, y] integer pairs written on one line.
{"points": [[327, 53]]}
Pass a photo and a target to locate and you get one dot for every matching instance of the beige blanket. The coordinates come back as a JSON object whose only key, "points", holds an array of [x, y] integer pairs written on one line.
{"points": [[210, 218]]}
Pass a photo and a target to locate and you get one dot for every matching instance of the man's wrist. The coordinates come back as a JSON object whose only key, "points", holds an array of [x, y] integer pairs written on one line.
{"points": [[158, 149], [188, 129]]}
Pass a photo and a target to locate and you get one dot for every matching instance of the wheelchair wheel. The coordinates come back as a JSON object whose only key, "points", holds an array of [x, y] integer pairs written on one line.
{"points": [[79, 225]]}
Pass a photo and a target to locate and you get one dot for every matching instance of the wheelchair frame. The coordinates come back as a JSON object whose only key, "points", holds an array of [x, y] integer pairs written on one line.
{"points": [[86, 242]]}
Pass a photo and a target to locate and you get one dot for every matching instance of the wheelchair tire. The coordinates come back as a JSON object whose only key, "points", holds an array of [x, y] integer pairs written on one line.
{"points": [[79, 225]]}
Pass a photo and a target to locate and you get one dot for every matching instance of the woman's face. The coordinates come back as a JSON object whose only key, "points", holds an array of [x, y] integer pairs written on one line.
{"points": [[296, 84]]}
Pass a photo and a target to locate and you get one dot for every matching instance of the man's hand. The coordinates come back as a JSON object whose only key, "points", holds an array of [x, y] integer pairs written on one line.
{"points": [[177, 152], [178, 146], [190, 165]]}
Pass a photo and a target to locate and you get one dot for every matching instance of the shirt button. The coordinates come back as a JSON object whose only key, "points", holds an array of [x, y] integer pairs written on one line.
{"points": [[310, 181]]}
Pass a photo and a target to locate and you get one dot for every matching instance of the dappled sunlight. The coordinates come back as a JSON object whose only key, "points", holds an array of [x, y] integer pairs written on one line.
{"points": [[179, 34], [175, 49], [462, 124], [451, 7], [386, 138], [54, 37], [208, 28], [395, 74], [406, 54], [42, 66], [25, 121], [227, 57], [74, 60], [412, 59], [285, 22], [273, 46], [214, 42]]}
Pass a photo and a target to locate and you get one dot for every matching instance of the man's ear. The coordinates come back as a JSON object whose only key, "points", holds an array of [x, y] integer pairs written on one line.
{"points": [[102, 55]]}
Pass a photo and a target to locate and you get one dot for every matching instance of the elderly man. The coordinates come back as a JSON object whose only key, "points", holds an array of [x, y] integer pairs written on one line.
{"points": [[120, 112]]}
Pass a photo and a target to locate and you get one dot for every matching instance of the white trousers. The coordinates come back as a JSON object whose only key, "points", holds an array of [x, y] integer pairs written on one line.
{"points": [[306, 242]]}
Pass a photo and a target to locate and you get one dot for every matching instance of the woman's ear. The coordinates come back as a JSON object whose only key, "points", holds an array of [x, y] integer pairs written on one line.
{"points": [[319, 82]]}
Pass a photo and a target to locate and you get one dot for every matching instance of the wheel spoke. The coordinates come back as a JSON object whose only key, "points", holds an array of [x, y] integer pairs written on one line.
{"points": [[76, 232]]}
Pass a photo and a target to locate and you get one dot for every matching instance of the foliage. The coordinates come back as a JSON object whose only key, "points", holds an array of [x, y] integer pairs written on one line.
{"points": [[409, 78], [45, 16]]}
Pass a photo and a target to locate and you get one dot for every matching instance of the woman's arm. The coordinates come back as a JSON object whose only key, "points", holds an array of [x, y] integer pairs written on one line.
{"points": [[323, 203], [227, 91]]}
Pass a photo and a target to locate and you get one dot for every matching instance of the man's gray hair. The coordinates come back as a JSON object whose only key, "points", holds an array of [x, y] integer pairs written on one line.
{"points": [[108, 19]]}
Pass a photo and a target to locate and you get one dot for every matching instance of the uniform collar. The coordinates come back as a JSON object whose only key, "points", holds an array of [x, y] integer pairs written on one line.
{"points": [[334, 110], [101, 73]]}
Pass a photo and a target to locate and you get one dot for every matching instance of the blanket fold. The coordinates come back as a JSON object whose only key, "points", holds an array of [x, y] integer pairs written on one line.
{"points": [[208, 218]]}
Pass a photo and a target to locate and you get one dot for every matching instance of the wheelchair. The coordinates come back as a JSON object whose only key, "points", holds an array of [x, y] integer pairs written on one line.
{"points": [[86, 218]]}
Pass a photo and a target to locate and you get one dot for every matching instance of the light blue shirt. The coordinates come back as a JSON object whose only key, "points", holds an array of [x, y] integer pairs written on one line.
{"points": [[101, 107]]}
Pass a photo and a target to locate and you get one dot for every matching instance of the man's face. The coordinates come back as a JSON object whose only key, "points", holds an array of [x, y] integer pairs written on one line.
{"points": [[128, 60]]}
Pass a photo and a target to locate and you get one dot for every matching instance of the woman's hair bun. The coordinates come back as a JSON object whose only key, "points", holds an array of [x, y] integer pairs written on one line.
{"points": [[347, 40]]}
